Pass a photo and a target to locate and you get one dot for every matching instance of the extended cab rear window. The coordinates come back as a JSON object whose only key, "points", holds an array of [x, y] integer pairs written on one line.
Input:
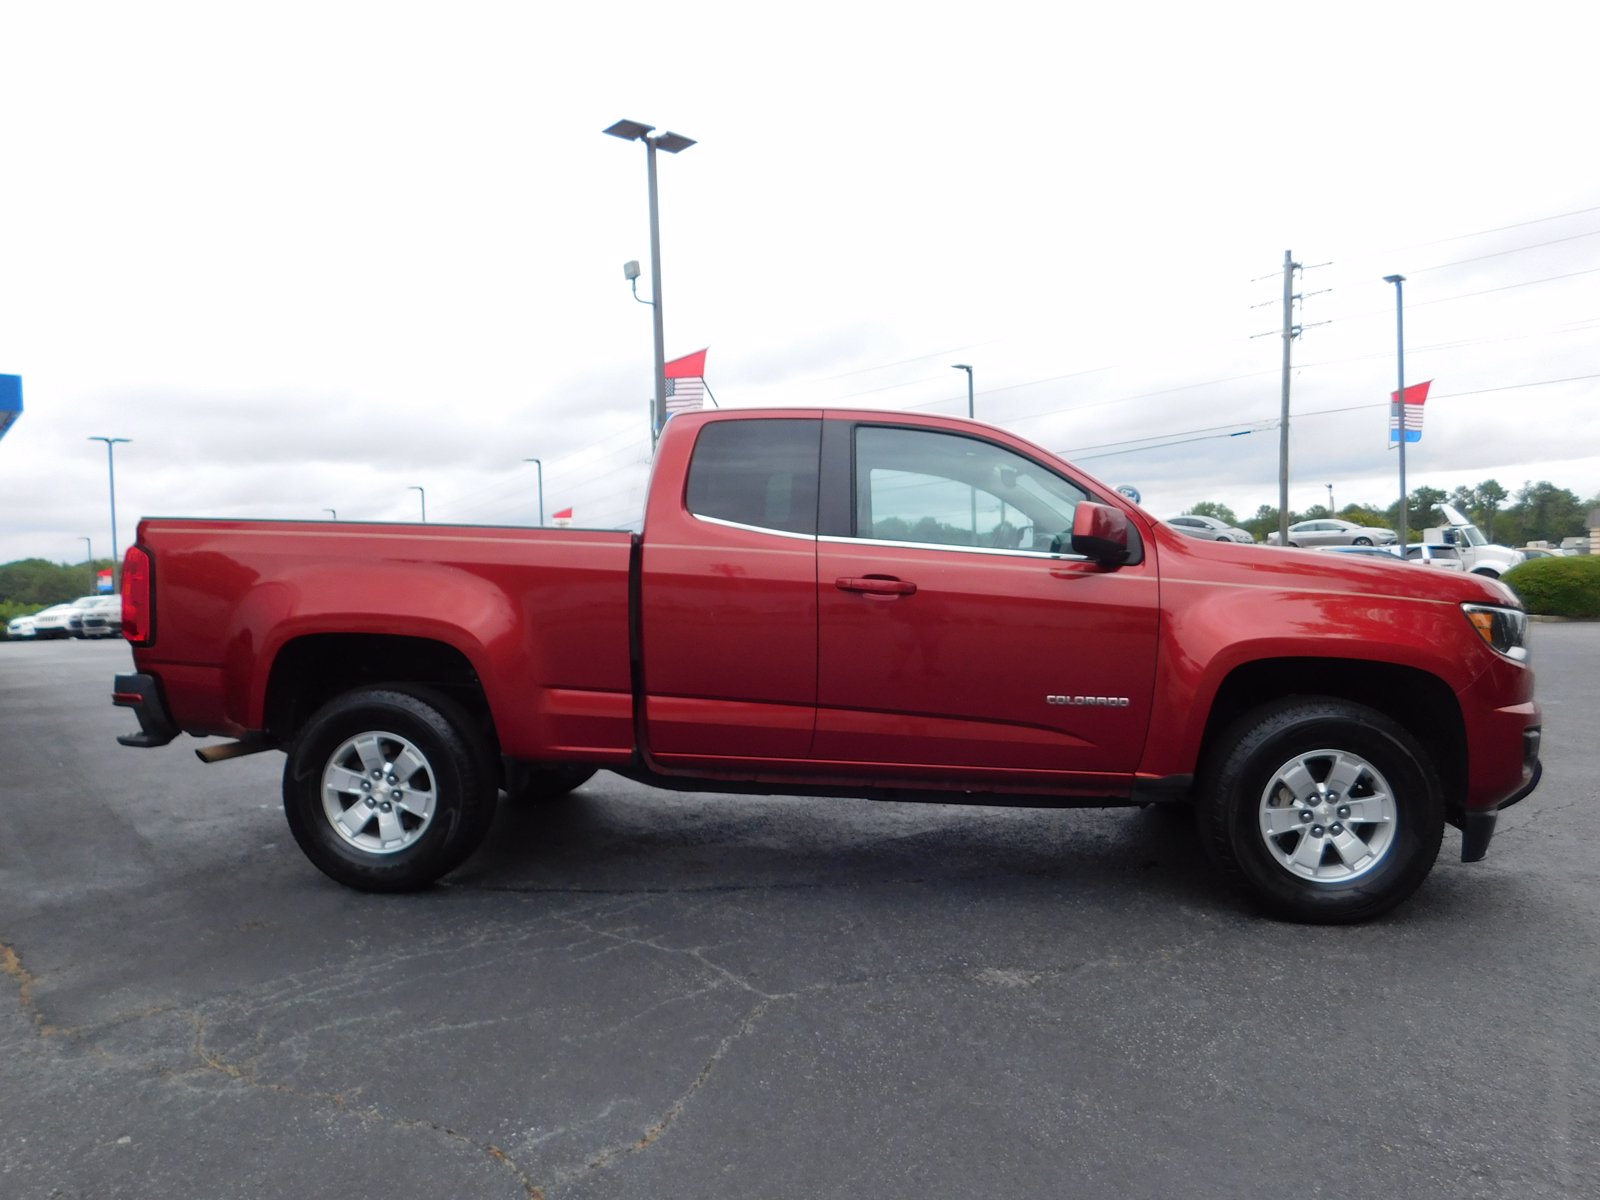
{"points": [[761, 473]]}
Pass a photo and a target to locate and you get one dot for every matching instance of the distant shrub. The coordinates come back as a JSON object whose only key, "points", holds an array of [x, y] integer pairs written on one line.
{"points": [[1558, 587]]}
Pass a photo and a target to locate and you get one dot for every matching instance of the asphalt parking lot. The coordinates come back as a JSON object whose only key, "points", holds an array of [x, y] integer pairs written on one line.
{"points": [[640, 994]]}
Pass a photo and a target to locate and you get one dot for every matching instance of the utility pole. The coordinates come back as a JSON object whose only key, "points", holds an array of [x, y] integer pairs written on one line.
{"points": [[1290, 332], [1398, 409]]}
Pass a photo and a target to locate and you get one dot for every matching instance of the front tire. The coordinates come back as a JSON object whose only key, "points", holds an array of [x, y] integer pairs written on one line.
{"points": [[1326, 811], [1362, 541], [386, 789]]}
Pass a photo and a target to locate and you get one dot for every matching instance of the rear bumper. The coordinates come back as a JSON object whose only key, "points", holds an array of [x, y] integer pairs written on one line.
{"points": [[142, 693]]}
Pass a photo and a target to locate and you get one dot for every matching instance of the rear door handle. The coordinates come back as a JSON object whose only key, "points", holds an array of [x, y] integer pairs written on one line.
{"points": [[875, 585]]}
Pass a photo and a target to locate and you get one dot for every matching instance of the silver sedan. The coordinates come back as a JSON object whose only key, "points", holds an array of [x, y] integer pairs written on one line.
{"points": [[1329, 531], [1209, 528]]}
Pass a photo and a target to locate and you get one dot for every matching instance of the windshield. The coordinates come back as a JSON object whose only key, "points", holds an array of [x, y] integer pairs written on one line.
{"points": [[1474, 538]]}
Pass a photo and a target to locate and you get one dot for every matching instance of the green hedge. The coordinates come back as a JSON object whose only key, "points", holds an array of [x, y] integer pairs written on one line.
{"points": [[1558, 587]]}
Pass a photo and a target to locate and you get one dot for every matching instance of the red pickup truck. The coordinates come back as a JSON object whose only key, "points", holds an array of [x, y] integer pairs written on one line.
{"points": [[846, 603]]}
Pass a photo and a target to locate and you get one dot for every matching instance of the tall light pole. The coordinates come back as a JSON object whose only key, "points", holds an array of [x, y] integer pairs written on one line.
{"points": [[540, 467], [332, 512], [422, 494], [968, 370], [672, 143], [111, 474], [1331, 509], [88, 558], [1398, 411]]}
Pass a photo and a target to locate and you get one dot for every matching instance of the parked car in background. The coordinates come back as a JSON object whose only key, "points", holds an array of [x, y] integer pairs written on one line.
{"points": [[20, 628], [103, 618], [1209, 528], [75, 616], [1431, 554], [52, 622], [1329, 531], [1478, 555], [1544, 552]]}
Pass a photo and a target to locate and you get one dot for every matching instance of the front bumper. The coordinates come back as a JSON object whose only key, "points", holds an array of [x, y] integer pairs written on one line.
{"points": [[142, 693], [1477, 828]]}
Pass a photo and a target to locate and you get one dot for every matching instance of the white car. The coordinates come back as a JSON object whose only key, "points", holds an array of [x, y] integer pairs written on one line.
{"points": [[1431, 554], [75, 618], [103, 618], [52, 622], [1209, 528], [20, 628], [1330, 531]]}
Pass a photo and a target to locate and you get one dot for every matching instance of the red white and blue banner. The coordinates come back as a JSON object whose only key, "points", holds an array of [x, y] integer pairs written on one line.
{"points": [[1416, 397], [686, 383]]}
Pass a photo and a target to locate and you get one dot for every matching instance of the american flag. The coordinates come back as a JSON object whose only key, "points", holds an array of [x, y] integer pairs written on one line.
{"points": [[1416, 396], [686, 383], [685, 394]]}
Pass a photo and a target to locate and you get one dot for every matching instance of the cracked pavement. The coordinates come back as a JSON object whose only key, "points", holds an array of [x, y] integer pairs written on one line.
{"points": [[636, 993]]}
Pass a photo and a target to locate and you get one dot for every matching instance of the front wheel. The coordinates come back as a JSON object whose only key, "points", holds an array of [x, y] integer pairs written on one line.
{"points": [[1326, 811], [1362, 541], [387, 790]]}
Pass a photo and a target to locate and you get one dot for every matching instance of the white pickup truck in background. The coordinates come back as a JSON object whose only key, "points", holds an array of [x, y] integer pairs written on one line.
{"points": [[1477, 554]]}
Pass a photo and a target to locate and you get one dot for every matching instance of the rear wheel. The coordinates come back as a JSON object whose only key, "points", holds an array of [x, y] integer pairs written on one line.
{"points": [[1362, 541], [1326, 811], [386, 789]]}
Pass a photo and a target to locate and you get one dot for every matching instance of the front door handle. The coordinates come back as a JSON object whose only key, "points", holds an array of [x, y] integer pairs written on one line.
{"points": [[875, 585]]}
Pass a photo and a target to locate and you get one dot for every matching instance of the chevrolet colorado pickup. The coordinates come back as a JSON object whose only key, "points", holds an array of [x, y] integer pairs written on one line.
{"points": [[832, 602]]}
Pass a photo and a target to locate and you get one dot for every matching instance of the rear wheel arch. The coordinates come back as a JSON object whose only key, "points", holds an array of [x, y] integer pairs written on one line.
{"points": [[309, 671]]}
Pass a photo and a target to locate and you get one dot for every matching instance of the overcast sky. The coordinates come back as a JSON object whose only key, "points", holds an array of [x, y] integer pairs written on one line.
{"points": [[309, 256]]}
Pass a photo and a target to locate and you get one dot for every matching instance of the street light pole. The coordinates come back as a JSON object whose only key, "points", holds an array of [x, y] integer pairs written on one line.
{"points": [[88, 557], [1398, 410], [422, 494], [332, 512], [540, 467], [111, 475], [672, 143], [1330, 500], [968, 370]]}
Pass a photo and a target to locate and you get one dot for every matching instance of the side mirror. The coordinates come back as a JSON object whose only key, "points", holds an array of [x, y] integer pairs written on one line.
{"points": [[1099, 533]]}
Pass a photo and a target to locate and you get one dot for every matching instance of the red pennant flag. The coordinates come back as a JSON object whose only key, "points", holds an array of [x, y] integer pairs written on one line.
{"points": [[564, 515], [690, 366], [1416, 396]]}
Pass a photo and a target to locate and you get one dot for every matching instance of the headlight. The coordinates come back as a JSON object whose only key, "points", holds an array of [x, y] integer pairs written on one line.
{"points": [[1506, 629]]}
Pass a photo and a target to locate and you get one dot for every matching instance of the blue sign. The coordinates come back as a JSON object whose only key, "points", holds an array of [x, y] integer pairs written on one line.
{"points": [[10, 401], [1131, 492]]}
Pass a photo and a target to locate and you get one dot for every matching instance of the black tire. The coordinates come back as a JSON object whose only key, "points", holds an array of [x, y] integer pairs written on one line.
{"points": [[539, 783], [1361, 541], [1289, 839], [434, 796], [1294, 545]]}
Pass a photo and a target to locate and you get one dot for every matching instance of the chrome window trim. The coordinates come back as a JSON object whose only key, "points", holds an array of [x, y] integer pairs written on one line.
{"points": [[783, 533], [1012, 553]]}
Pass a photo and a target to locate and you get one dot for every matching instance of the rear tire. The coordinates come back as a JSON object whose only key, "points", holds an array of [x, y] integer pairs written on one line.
{"points": [[1325, 811], [1361, 541], [387, 789]]}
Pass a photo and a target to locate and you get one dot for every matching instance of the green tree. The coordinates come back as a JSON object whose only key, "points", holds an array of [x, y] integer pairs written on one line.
{"points": [[38, 583], [1547, 513], [1490, 496], [1422, 511], [1365, 514]]}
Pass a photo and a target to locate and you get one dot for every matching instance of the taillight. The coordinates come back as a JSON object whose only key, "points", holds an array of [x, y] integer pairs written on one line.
{"points": [[136, 609]]}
